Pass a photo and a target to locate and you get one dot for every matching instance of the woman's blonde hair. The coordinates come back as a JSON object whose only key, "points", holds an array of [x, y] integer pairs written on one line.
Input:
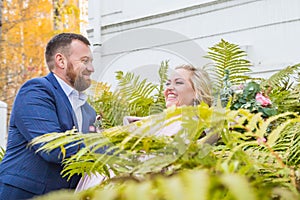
{"points": [[201, 83]]}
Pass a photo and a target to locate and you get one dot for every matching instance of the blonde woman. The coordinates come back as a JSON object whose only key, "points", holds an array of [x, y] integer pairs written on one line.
{"points": [[186, 86]]}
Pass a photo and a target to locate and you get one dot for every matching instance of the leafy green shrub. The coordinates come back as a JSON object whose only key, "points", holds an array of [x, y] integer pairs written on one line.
{"points": [[251, 160], [133, 97], [257, 155]]}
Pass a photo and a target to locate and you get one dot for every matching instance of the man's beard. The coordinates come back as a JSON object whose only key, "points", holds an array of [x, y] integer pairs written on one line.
{"points": [[77, 80]]}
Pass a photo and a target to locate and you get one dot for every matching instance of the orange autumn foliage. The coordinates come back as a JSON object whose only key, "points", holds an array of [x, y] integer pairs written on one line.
{"points": [[26, 28]]}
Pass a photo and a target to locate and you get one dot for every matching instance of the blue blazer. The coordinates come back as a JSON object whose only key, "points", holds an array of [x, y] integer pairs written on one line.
{"points": [[40, 107]]}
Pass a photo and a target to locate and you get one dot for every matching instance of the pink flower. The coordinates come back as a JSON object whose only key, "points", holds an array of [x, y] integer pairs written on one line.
{"points": [[92, 129], [264, 101], [261, 140]]}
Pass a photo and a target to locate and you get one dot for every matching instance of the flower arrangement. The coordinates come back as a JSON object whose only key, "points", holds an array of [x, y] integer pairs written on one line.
{"points": [[247, 96], [250, 96]]}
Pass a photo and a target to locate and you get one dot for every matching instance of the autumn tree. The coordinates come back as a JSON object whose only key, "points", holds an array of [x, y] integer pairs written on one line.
{"points": [[27, 25]]}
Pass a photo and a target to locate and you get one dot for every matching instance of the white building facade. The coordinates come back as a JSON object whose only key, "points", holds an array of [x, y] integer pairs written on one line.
{"points": [[134, 35]]}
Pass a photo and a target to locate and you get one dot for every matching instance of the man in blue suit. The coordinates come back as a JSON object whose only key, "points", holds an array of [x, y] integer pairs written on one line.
{"points": [[54, 103]]}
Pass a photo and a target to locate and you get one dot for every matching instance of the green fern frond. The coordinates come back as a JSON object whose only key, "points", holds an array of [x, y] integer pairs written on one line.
{"points": [[97, 89], [288, 145], [227, 56], [137, 93], [112, 108], [283, 90], [136, 150], [286, 100], [130, 85], [132, 141], [282, 78], [159, 104], [133, 97]]}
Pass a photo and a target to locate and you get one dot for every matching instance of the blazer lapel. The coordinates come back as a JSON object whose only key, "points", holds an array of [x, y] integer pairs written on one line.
{"points": [[85, 122], [62, 94], [88, 118]]}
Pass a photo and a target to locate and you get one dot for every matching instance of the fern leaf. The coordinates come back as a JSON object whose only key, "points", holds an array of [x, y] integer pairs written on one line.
{"points": [[275, 134], [278, 79], [229, 57]]}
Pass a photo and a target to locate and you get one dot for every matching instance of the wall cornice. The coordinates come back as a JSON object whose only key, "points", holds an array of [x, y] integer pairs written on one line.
{"points": [[174, 15]]}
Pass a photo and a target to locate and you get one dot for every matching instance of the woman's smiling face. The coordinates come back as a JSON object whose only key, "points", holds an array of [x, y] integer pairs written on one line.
{"points": [[179, 90]]}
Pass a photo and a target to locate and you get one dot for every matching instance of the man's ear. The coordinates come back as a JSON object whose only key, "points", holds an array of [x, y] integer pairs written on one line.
{"points": [[60, 60]]}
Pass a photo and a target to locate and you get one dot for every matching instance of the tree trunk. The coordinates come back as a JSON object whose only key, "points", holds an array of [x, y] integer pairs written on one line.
{"points": [[1, 5]]}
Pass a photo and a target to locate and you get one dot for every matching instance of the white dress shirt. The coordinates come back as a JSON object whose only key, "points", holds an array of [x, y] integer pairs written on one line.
{"points": [[77, 99]]}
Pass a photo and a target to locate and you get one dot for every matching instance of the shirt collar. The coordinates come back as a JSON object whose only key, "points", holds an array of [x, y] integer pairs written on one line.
{"points": [[69, 90], [66, 88]]}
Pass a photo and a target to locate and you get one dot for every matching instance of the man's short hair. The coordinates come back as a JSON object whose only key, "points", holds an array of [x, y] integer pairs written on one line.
{"points": [[60, 44]]}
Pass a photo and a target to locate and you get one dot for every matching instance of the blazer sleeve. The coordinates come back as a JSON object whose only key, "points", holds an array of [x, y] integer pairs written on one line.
{"points": [[35, 114]]}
